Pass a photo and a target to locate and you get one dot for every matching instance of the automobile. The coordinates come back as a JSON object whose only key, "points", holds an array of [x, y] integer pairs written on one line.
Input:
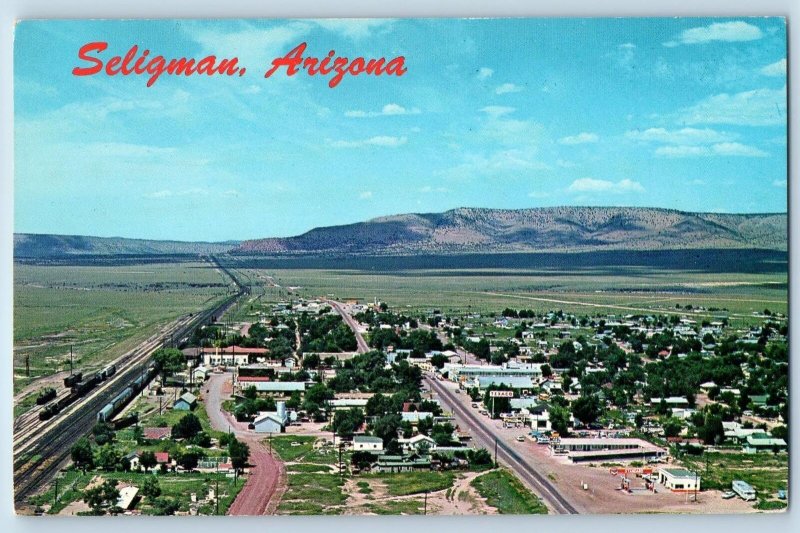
{"points": [[781, 494], [728, 494], [747, 413], [475, 405], [520, 438], [543, 440]]}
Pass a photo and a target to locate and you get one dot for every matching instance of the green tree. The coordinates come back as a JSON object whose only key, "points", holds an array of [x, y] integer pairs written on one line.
{"points": [[170, 361], [559, 419], [148, 460], [586, 409], [239, 453], [672, 427], [138, 434], [188, 460], [187, 427], [165, 506], [345, 423], [107, 457], [104, 495], [82, 454], [150, 488]]}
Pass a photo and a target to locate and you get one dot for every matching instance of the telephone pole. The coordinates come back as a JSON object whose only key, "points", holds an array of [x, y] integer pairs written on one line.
{"points": [[495, 451]]}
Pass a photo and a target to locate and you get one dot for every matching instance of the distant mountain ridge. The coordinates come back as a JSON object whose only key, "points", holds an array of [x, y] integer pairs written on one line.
{"points": [[479, 230], [33, 245]]}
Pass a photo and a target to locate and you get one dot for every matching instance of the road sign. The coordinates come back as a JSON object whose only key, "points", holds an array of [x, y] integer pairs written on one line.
{"points": [[501, 394]]}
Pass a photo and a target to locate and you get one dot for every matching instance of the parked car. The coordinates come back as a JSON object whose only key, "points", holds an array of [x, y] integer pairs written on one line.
{"points": [[727, 495], [520, 438]]}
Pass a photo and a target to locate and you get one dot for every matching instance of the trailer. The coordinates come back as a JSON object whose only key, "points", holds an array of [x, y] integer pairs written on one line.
{"points": [[744, 490]]}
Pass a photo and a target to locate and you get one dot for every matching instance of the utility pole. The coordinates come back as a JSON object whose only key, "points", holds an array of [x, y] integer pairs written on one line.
{"points": [[425, 508], [495, 451], [216, 494], [70, 359]]}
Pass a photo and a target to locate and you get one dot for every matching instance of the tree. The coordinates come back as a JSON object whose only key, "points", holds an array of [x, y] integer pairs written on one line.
{"points": [[187, 427], [138, 434], [672, 427], [362, 459], [165, 506], [170, 361], [239, 453], [345, 423], [150, 488], [438, 360], [107, 457], [479, 457], [443, 434], [103, 433], [559, 419], [310, 361], [386, 428], [547, 371], [188, 460], [148, 460], [82, 454], [101, 496]]}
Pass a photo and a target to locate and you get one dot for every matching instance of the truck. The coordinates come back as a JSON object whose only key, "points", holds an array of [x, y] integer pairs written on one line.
{"points": [[744, 490]]}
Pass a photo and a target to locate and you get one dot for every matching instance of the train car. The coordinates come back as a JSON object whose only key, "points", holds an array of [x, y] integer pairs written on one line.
{"points": [[45, 396], [72, 379], [127, 421], [47, 413], [85, 386], [109, 371]]}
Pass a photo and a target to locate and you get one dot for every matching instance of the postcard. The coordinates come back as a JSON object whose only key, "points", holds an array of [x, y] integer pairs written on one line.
{"points": [[400, 266]]}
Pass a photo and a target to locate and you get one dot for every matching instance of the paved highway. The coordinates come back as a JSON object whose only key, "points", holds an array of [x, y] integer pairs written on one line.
{"points": [[485, 435]]}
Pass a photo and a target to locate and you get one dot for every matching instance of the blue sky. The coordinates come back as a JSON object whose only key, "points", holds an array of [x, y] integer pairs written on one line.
{"points": [[686, 114]]}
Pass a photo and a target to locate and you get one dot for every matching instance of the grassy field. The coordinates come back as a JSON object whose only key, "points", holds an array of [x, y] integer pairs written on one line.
{"points": [[177, 486], [101, 312], [405, 483], [587, 290], [503, 491], [767, 473]]}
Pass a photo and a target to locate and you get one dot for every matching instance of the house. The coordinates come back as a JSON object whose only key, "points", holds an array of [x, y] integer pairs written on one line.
{"points": [[200, 374], [759, 400], [417, 443], [539, 417], [157, 433], [276, 387], [415, 416], [763, 442], [672, 401], [132, 459], [401, 463], [679, 479], [343, 404], [366, 443], [163, 460], [127, 498], [233, 355], [186, 402], [272, 421]]}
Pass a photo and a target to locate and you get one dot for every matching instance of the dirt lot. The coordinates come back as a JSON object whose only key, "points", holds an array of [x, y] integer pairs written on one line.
{"points": [[602, 495]]}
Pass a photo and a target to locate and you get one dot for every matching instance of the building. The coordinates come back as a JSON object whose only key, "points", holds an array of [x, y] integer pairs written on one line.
{"points": [[127, 498], [366, 443], [415, 416], [186, 402], [343, 404], [417, 443], [759, 442], [592, 449], [744, 490], [679, 479], [157, 433], [514, 382], [275, 387], [272, 421], [401, 463], [233, 356]]}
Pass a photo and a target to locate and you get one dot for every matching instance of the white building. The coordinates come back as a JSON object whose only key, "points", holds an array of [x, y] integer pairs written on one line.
{"points": [[679, 479], [365, 443]]}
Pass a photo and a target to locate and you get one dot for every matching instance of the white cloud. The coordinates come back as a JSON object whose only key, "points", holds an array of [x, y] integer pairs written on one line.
{"points": [[354, 28], [737, 149], [685, 136], [386, 141], [429, 189], [779, 183], [627, 46], [502, 163], [720, 149], [538, 194], [485, 72], [563, 163], [581, 138], [387, 110], [507, 88], [365, 195], [497, 110], [591, 185], [759, 107], [718, 31], [777, 68], [192, 191], [252, 45]]}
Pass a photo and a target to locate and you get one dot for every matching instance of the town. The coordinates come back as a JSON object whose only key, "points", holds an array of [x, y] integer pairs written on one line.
{"points": [[316, 406]]}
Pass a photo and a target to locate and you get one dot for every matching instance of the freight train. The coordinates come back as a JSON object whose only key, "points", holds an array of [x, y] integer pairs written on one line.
{"points": [[120, 399], [78, 387]]}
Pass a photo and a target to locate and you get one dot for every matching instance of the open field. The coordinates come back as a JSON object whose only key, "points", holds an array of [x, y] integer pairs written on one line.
{"points": [[590, 290], [100, 311], [505, 492]]}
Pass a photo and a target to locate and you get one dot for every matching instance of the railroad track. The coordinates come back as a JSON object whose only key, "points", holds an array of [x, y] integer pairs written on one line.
{"points": [[36, 460], [521, 467]]}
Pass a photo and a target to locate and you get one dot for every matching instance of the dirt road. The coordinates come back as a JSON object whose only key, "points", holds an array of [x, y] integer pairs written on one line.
{"points": [[265, 480]]}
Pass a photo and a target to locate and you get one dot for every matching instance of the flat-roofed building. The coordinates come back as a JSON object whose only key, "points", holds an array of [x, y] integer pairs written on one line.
{"points": [[679, 479], [589, 449]]}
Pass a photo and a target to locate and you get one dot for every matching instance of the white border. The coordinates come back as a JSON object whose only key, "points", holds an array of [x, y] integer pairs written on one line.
{"points": [[11, 10]]}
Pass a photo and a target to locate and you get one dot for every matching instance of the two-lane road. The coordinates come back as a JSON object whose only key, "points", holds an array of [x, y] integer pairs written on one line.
{"points": [[485, 435], [363, 347]]}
